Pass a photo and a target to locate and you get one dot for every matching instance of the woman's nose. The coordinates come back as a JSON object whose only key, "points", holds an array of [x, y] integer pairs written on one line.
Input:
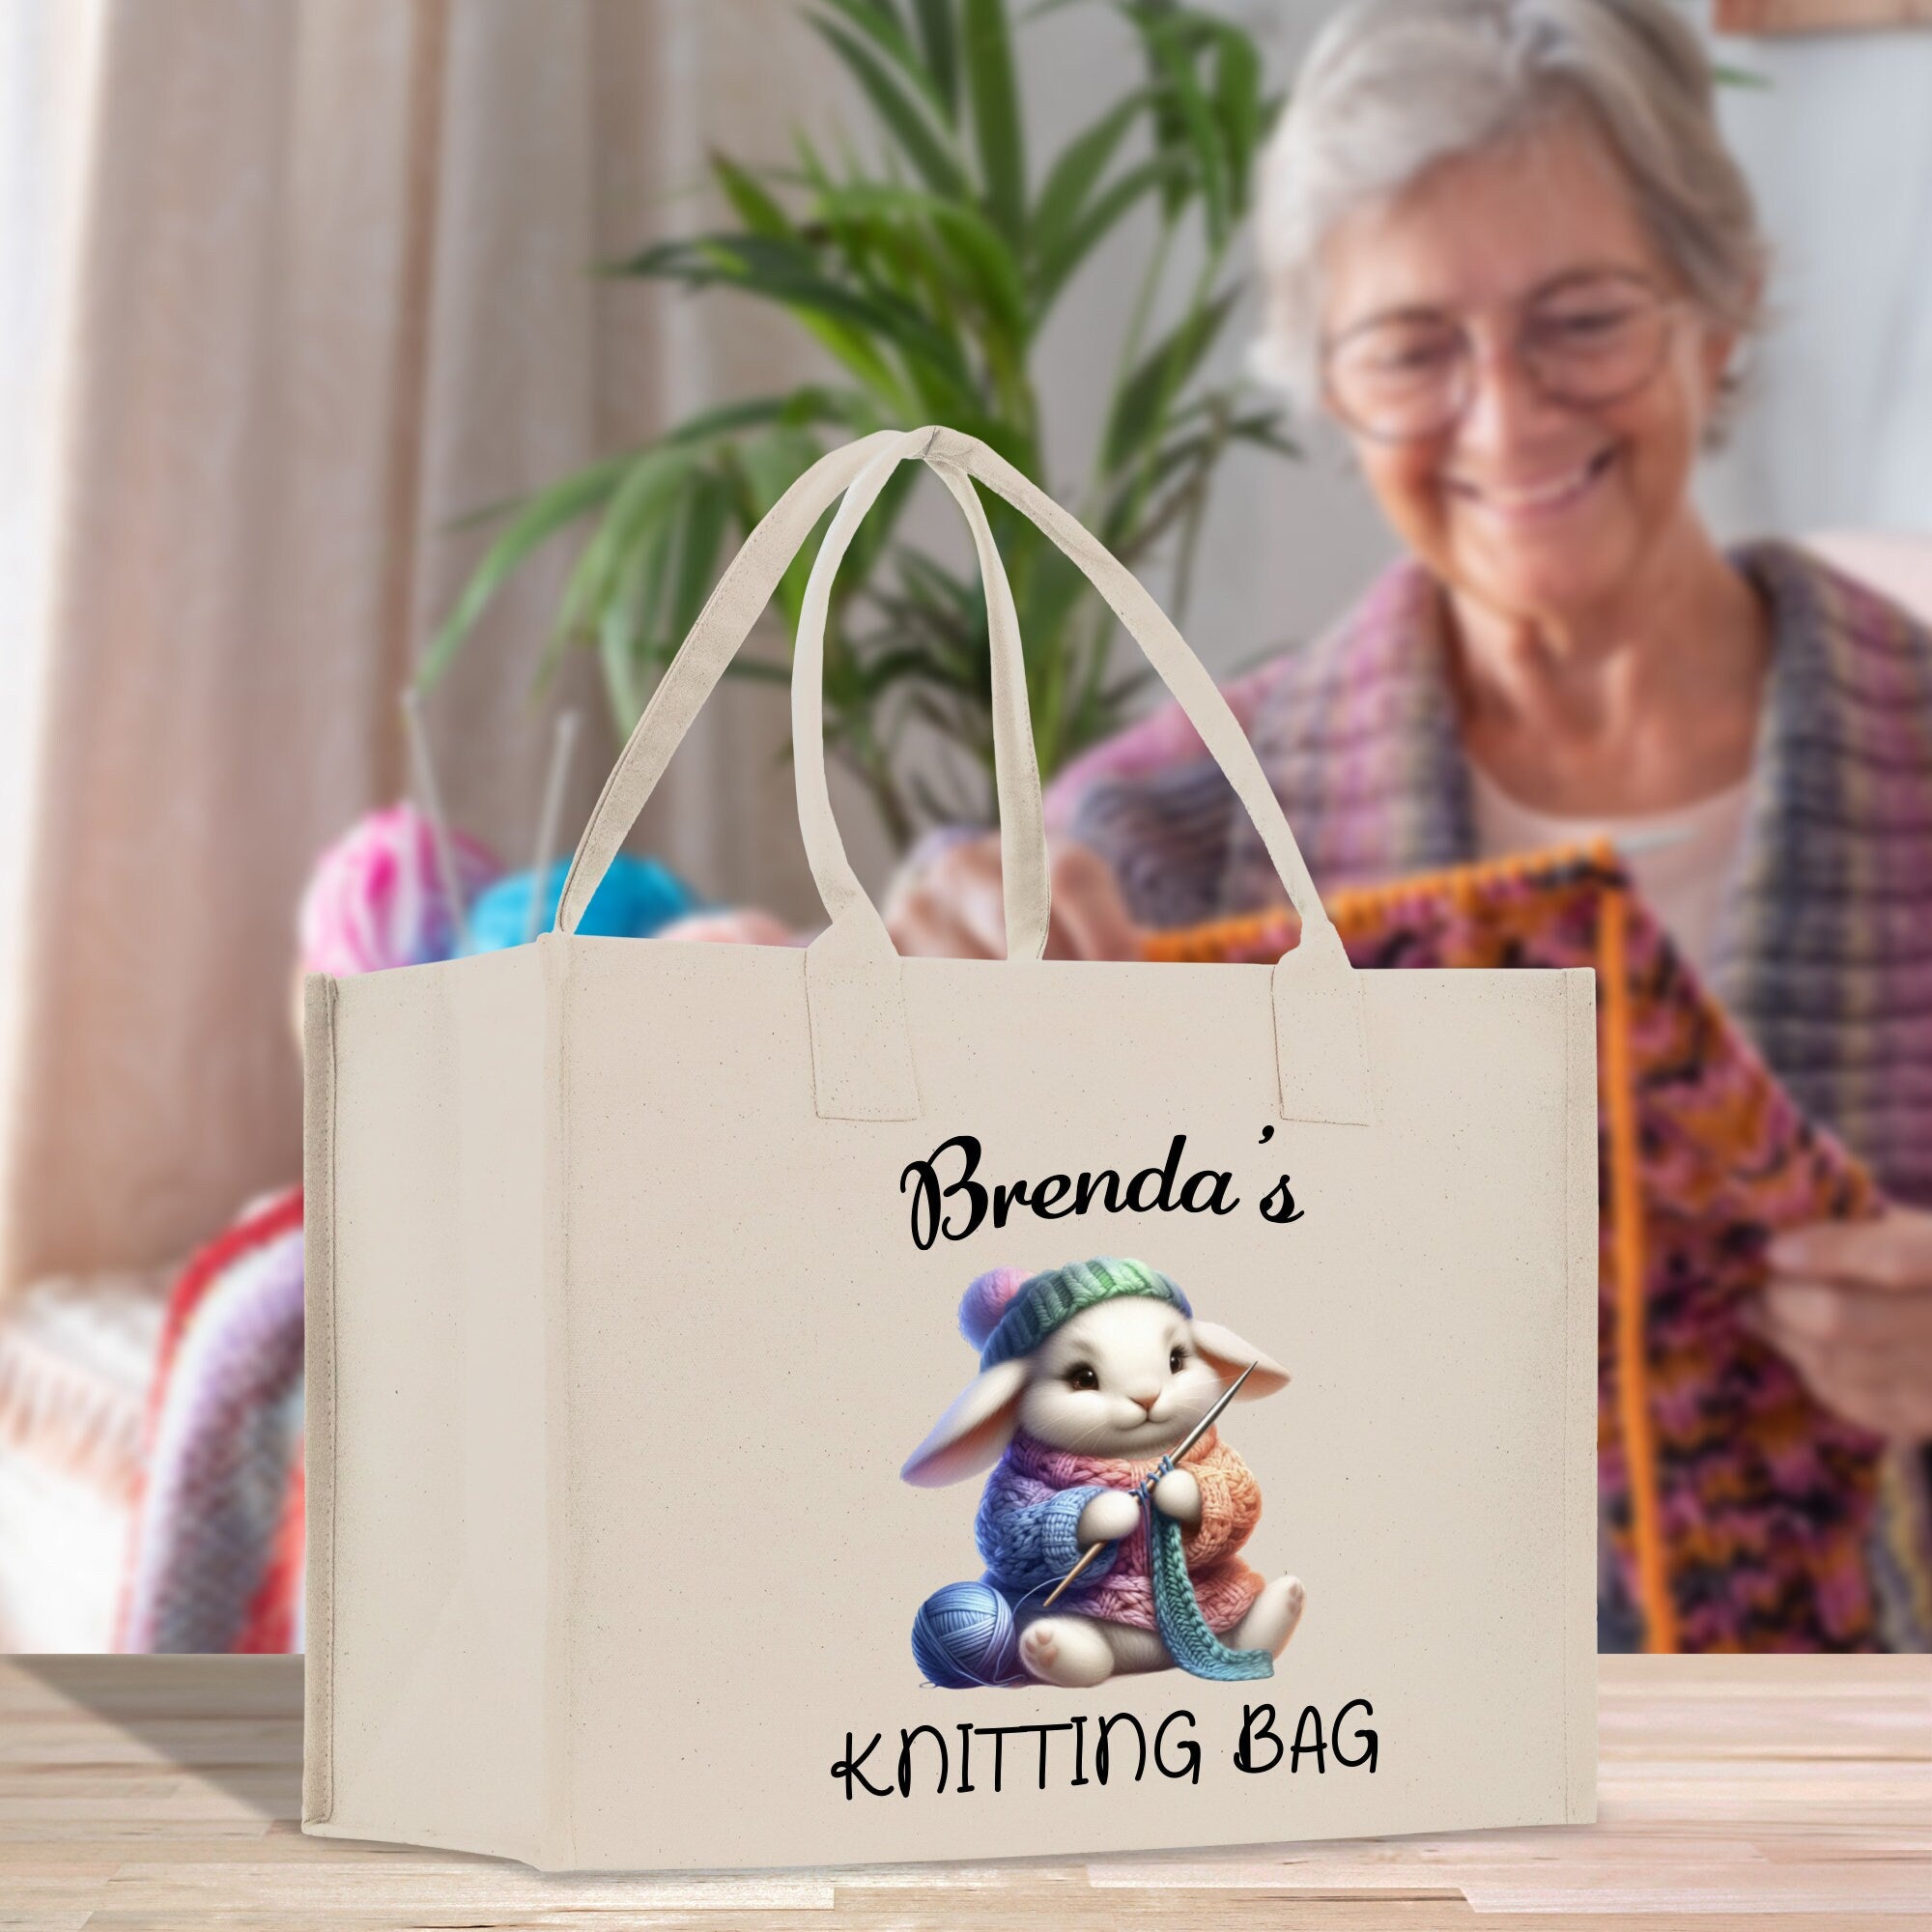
{"points": [[1506, 404]]}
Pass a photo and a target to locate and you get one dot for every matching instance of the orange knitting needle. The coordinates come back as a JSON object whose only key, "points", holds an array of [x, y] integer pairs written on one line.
{"points": [[1086, 1556]]}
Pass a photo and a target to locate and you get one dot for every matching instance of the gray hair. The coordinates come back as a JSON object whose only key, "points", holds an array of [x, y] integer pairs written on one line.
{"points": [[1392, 87]]}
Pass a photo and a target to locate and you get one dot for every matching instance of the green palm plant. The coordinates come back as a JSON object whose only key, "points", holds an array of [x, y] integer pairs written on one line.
{"points": [[927, 280]]}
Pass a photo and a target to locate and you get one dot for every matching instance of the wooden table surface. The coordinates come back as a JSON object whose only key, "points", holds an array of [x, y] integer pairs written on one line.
{"points": [[164, 1791]]}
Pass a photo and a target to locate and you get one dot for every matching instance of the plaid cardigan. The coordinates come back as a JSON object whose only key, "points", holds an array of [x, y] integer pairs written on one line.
{"points": [[1823, 943]]}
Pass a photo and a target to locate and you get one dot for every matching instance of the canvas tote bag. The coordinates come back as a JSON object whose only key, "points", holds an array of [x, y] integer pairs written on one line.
{"points": [[718, 1354]]}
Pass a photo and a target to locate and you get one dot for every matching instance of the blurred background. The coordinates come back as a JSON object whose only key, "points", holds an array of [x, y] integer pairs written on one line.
{"points": [[350, 347]]}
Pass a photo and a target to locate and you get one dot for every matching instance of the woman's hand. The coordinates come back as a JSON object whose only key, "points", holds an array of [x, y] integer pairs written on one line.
{"points": [[952, 905], [1850, 1304]]}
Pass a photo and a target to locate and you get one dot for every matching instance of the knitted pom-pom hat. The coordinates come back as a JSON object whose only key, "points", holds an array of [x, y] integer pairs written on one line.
{"points": [[1007, 1311]]}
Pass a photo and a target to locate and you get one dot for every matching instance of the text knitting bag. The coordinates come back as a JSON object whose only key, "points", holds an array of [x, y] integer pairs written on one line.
{"points": [[659, 1519]]}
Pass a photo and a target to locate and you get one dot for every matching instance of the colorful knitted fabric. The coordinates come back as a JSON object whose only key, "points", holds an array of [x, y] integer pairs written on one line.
{"points": [[1030, 1311], [1739, 1513], [1034, 1496], [1185, 1628], [214, 1558]]}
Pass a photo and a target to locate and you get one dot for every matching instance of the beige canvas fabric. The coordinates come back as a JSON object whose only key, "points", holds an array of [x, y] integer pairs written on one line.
{"points": [[627, 1310]]}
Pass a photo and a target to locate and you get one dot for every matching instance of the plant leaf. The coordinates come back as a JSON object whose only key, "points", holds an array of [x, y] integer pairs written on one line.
{"points": [[708, 514], [1173, 58], [880, 23], [847, 320], [980, 262], [617, 660], [809, 403], [996, 115], [1108, 208], [1237, 109], [770, 465], [539, 519], [755, 205], [939, 39], [1266, 431], [927, 150], [1140, 406], [649, 496], [1077, 170]]}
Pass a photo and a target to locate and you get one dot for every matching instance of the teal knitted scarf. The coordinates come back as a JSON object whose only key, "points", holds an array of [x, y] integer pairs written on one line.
{"points": [[1177, 1610]]}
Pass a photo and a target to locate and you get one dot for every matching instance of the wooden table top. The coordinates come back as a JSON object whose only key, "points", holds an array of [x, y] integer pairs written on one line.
{"points": [[156, 1792]]}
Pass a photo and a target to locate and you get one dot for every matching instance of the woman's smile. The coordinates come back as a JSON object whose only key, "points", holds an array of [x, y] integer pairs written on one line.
{"points": [[1534, 499]]}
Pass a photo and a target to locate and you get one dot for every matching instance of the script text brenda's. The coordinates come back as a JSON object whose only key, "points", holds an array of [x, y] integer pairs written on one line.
{"points": [[950, 1175]]}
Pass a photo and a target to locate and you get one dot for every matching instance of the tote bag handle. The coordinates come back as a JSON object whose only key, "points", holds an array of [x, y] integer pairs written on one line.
{"points": [[734, 606], [861, 1048]]}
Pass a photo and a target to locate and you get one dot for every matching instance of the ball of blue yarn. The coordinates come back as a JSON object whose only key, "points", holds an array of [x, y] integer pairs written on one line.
{"points": [[964, 1636], [634, 897]]}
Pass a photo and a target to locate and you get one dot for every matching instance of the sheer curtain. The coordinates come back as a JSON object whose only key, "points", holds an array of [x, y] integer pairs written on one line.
{"points": [[290, 288]]}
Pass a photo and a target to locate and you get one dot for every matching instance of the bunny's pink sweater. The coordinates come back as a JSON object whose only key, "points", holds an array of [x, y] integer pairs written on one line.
{"points": [[1034, 1497]]}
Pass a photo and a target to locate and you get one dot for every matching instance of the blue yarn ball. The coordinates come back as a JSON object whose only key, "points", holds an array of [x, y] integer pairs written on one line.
{"points": [[964, 1636], [635, 899]]}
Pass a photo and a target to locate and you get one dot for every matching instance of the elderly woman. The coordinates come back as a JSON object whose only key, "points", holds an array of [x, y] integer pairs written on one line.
{"points": [[1509, 255]]}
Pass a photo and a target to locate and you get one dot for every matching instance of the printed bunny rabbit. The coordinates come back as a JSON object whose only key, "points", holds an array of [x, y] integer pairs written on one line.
{"points": [[1090, 1374]]}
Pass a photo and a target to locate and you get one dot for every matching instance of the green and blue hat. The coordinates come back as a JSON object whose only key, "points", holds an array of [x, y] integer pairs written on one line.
{"points": [[1007, 1311]]}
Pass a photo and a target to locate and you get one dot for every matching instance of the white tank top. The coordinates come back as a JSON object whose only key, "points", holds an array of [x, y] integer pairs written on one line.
{"points": [[1677, 858]]}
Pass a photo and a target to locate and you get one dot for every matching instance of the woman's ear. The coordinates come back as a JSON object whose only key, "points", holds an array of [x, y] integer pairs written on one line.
{"points": [[1228, 1354], [1718, 350], [972, 1434], [1722, 358]]}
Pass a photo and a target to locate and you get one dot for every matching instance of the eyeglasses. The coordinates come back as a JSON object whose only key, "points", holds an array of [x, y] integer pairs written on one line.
{"points": [[1408, 377]]}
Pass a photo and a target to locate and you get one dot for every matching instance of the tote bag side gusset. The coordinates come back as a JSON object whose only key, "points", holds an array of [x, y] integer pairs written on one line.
{"points": [[429, 1591], [318, 1804], [1579, 1401], [557, 1847]]}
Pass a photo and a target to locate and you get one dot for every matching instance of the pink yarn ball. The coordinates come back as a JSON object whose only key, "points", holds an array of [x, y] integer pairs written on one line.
{"points": [[376, 896], [727, 926], [986, 1300]]}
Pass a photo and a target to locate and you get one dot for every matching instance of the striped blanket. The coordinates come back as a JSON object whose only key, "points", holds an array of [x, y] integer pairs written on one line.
{"points": [[215, 1560]]}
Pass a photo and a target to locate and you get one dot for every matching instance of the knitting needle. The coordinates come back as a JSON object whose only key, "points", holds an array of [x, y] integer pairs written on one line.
{"points": [[563, 741], [438, 826], [1172, 1457], [1086, 1556]]}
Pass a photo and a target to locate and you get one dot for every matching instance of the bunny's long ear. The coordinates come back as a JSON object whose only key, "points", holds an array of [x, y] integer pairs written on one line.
{"points": [[973, 1431], [1229, 1355]]}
